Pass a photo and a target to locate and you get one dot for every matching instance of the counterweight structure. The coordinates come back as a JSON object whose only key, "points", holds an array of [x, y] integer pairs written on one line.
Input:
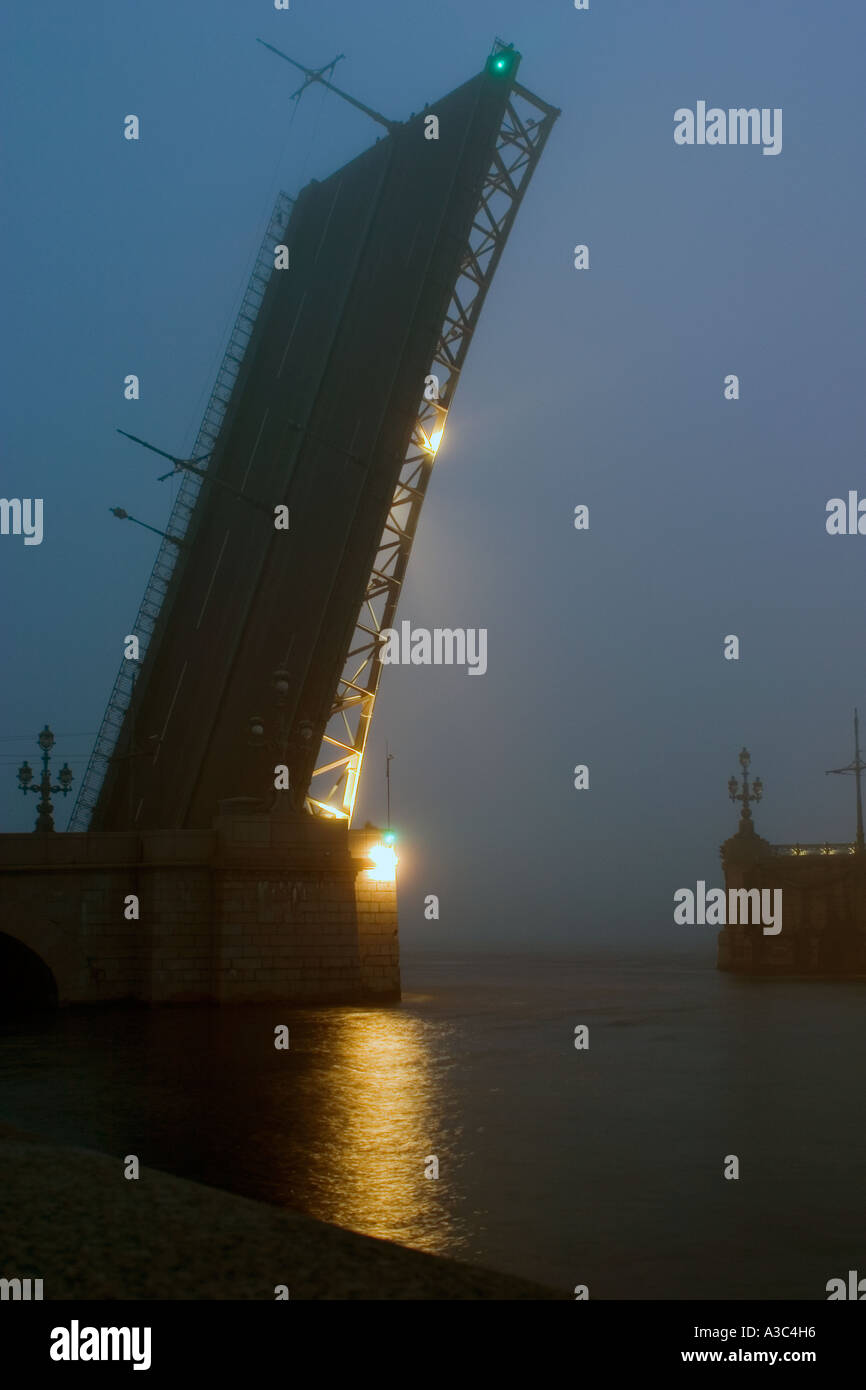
{"points": [[327, 406]]}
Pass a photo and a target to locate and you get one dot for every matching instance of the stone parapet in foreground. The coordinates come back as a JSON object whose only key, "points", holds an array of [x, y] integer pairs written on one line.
{"points": [[69, 1217]]}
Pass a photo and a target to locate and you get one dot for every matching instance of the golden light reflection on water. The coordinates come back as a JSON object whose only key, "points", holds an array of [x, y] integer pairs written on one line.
{"points": [[338, 1126], [377, 1113]]}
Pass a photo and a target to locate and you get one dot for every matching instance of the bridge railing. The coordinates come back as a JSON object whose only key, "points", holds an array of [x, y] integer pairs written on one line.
{"points": [[181, 515], [825, 848]]}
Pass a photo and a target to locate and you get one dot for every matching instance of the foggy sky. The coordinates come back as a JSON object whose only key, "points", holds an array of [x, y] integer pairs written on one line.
{"points": [[601, 387]]}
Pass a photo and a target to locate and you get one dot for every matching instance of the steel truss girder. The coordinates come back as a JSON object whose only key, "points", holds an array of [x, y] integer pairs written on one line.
{"points": [[526, 125]]}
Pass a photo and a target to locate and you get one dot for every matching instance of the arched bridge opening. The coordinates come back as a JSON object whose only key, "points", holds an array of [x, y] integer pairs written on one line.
{"points": [[27, 985]]}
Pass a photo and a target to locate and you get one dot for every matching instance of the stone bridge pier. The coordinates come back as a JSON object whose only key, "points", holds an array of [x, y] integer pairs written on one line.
{"points": [[258, 908]]}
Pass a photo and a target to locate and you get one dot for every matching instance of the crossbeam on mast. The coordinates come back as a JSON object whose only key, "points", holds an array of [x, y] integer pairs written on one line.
{"points": [[315, 75], [189, 465]]}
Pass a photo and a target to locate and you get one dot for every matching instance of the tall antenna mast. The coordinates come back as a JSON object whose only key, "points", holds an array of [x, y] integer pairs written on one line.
{"points": [[388, 756], [315, 75], [856, 767]]}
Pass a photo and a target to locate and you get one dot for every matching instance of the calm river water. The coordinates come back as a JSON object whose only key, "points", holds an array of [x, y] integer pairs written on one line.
{"points": [[602, 1167]]}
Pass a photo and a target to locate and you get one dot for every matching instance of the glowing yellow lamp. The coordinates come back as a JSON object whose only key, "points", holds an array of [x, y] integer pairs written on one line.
{"points": [[385, 863], [431, 441]]}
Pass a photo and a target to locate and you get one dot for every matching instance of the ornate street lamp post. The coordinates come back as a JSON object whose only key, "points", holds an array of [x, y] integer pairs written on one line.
{"points": [[44, 787], [748, 793]]}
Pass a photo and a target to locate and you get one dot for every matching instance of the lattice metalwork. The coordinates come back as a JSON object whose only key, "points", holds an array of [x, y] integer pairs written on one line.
{"points": [[181, 515], [526, 125]]}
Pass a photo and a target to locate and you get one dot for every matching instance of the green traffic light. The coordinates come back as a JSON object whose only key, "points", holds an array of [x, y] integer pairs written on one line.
{"points": [[501, 62]]}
